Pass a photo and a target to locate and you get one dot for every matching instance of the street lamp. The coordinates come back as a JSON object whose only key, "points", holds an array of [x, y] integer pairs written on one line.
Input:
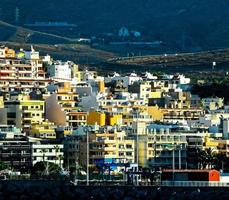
{"points": [[179, 157], [180, 147], [179, 154], [155, 152], [87, 129], [174, 160], [137, 149]]}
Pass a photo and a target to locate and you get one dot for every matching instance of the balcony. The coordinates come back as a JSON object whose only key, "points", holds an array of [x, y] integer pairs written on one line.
{"points": [[109, 148]]}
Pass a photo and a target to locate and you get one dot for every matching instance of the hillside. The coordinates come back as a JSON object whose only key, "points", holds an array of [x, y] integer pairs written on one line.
{"points": [[171, 60], [81, 54], [60, 47], [187, 25], [13, 33]]}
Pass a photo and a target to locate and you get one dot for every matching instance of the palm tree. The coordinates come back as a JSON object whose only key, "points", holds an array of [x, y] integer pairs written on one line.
{"points": [[205, 158], [44, 151], [57, 148]]}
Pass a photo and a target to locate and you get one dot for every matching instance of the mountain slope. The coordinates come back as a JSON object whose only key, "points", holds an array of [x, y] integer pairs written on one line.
{"points": [[186, 24]]}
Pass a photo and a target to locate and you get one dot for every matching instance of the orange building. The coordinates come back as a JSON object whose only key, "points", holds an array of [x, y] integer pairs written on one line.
{"points": [[10, 53]]}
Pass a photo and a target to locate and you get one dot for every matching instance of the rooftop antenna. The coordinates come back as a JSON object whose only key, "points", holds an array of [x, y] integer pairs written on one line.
{"points": [[17, 14]]}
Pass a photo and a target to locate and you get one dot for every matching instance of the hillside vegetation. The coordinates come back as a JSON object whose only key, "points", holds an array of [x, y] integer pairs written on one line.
{"points": [[188, 25]]}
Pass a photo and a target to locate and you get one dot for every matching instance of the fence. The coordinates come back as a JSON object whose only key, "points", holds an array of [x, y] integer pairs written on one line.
{"points": [[194, 184]]}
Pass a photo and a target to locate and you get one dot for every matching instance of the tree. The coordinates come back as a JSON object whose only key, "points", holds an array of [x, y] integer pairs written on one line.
{"points": [[4, 166], [221, 162], [40, 168], [205, 158], [43, 151], [57, 148], [61, 157]]}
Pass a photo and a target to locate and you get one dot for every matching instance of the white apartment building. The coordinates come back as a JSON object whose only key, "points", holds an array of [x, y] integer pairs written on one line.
{"points": [[32, 55], [48, 153], [60, 70], [127, 80]]}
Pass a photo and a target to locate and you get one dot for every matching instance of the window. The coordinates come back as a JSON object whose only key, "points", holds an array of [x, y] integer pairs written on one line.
{"points": [[150, 145], [129, 153], [11, 115]]}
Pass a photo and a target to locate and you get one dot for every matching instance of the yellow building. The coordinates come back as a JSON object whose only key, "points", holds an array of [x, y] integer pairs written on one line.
{"points": [[101, 86], [1, 102], [113, 119], [110, 145], [44, 130], [156, 93], [76, 74], [64, 87], [211, 143], [22, 111], [96, 117], [218, 146], [155, 113]]}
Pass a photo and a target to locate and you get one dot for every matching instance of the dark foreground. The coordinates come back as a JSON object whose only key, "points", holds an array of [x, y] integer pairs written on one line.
{"points": [[45, 190]]}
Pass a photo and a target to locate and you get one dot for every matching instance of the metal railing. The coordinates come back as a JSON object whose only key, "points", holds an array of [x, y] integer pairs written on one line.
{"points": [[194, 184]]}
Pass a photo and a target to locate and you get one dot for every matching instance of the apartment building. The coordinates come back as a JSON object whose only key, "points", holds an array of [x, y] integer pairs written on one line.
{"points": [[47, 153], [43, 130], [110, 146], [60, 71], [22, 111], [15, 149]]}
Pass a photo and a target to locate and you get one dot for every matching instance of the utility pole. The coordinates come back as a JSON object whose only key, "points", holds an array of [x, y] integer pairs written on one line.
{"points": [[173, 162], [155, 152], [180, 157], [87, 129], [174, 167], [17, 15], [87, 158], [137, 150]]}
